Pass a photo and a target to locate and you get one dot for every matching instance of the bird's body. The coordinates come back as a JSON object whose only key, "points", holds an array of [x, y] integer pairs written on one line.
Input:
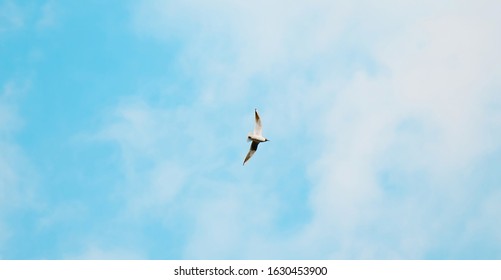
{"points": [[256, 137]]}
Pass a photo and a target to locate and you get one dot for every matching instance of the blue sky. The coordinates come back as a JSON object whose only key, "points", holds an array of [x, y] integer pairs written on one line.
{"points": [[123, 126]]}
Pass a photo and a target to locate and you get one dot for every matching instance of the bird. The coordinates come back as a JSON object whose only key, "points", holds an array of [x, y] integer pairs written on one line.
{"points": [[256, 137]]}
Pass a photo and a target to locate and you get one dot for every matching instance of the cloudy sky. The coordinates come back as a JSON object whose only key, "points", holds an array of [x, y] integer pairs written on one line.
{"points": [[123, 126]]}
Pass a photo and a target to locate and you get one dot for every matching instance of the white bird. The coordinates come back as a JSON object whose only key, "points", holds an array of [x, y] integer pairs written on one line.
{"points": [[255, 137]]}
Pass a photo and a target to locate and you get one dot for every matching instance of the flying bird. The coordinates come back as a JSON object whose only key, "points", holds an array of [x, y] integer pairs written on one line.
{"points": [[256, 137]]}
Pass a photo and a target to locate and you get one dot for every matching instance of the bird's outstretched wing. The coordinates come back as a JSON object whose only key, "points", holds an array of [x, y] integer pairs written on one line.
{"points": [[251, 152], [258, 129]]}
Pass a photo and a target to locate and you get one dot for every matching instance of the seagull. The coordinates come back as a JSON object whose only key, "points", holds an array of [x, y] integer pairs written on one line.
{"points": [[255, 137]]}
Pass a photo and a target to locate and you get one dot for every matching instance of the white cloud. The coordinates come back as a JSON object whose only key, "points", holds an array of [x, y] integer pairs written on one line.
{"points": [[438, 80], [231, 220], [404, 98]]}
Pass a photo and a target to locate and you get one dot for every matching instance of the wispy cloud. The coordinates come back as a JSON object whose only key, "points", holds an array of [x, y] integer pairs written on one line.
{"points": [[405, 105], [95, 252], [49, 13], [11, 16], [17, 16], [177, 173], [9, 123], [17, 176], [410, 140], [145, 136]]}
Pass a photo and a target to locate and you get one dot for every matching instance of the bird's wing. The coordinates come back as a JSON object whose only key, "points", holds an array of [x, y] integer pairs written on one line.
{"points": [[251, 152], [258, 129], [253, 146]]}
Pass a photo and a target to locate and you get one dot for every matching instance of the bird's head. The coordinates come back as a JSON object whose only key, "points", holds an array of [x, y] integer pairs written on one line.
{"points": [[266, 139]]}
